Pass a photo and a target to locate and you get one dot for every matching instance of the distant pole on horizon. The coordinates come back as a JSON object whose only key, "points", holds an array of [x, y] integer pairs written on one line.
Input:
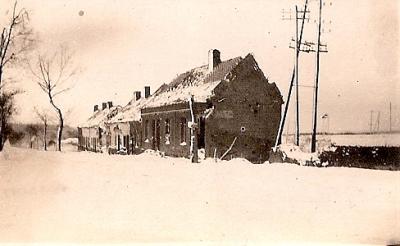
{"points": [[370, 122], [378, 119], [390, 117], [328, 125]]}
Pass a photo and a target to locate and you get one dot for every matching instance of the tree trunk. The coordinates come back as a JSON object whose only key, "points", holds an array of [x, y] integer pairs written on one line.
{"points": [[61, 123], [2, 127], [1, 139], [45, 136], [1, 74], [1, 122], [60, 129]]}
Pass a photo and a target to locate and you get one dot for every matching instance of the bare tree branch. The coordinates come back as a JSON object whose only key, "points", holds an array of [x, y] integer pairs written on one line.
{"points": [[15, 40], [51, 72]]}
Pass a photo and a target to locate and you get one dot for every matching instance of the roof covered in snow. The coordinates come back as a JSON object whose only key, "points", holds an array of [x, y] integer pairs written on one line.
{"points": [[101, 116], [131, 112], [199, 82]]}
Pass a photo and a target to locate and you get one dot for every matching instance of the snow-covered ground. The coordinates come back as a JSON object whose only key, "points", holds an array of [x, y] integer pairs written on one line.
{"points": [[324, 141], [89, 197]]}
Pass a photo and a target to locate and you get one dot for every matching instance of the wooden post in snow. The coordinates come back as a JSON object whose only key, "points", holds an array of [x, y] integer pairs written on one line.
{"points": [[194, 158], [278, 140], [229, 149]]}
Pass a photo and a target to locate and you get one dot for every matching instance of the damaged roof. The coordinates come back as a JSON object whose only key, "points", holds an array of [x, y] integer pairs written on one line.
{"points": [[131, 112], [199, 82], [100, 117]]}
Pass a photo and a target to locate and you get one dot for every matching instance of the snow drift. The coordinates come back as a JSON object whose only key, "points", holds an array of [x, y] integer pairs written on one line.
{"points": [[91, 198]]}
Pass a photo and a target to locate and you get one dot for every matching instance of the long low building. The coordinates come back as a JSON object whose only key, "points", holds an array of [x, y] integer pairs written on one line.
{"points": [[125, 127], [226, 108], [92, 135]]}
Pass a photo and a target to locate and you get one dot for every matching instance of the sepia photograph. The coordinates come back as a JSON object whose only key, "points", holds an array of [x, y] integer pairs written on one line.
{"points": [[199, 122]]}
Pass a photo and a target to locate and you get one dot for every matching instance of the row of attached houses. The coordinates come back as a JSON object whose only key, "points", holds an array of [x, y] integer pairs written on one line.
{"points": [[224, 105], [91, 134]]}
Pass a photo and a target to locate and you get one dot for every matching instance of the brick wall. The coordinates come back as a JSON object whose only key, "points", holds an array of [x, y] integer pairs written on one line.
{"points": [[171, 144], [246, 107]]}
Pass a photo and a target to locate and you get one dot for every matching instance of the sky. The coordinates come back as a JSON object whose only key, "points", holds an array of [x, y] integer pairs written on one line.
{"points": [[121, 45]]}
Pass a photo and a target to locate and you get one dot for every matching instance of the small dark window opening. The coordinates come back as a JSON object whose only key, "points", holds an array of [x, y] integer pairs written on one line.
{"points": [[167, 127], [146, 129]]}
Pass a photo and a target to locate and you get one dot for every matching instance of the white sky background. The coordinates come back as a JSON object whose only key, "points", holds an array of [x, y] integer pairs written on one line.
{"points": [[124, 45]]}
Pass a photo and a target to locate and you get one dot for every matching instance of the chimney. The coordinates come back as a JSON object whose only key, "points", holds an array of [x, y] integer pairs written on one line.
{"points": [[103, 105], [95, 108], [214, 58], [146, 91], [110, 104], [137, 95]]}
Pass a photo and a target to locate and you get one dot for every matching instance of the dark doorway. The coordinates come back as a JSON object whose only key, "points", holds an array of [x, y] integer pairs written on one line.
{"points": [[201, 134], [156, 134], [119, 142], [153, 134]]}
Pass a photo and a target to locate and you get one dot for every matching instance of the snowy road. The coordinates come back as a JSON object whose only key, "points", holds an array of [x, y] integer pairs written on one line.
{"points": [[87, 197]]}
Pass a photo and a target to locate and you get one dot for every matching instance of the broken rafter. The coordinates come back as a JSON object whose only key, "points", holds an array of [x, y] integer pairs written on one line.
{"points": [[230, 148]]}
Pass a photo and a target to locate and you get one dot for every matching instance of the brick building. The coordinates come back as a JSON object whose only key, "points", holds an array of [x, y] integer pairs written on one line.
{"points": [[234, 104], [125, 127], [92, 134]]}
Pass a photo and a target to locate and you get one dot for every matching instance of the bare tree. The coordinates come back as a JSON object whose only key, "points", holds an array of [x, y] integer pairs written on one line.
{"points": [[53, 75], [7, 109], [15, 39], [44, 117]]}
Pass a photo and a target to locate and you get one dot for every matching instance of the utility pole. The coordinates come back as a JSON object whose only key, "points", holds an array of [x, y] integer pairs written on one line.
{"points": [[299, 39], [297, 48], [315, 109], [370, 122]]}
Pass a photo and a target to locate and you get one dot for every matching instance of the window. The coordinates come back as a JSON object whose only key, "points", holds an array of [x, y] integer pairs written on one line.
{"points": [[167, 131], [167, 127], [183, 130], [146, 130]]}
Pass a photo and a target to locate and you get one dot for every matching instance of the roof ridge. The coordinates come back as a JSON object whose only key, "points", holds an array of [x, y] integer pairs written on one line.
{"points": [[219, 69]]}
